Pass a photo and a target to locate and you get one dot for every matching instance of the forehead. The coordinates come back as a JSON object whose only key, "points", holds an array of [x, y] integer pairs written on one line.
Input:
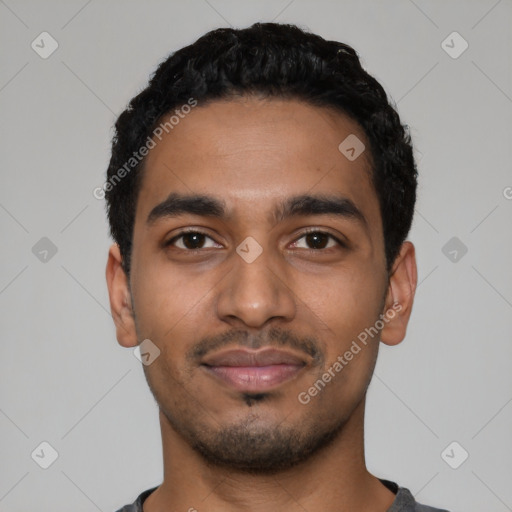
{"points": [[253, 154]]}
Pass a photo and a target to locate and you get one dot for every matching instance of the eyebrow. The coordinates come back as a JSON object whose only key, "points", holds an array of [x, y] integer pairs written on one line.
{"points": [[177, 204]]}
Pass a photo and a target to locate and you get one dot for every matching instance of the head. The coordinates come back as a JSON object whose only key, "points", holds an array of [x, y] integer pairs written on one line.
{"points": [[295, 180]]}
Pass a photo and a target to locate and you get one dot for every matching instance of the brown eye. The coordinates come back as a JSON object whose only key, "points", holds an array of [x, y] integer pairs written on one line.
{"points": [[318, 240], [190, 241]]}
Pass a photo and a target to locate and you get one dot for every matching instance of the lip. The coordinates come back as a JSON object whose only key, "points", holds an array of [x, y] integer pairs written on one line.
{"points": [[254, 371]]}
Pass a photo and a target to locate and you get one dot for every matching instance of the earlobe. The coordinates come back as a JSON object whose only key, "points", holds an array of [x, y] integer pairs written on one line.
{"points": [[120, 299], [400, 295]]}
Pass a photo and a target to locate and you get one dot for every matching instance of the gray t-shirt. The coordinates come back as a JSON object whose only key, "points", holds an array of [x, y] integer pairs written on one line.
{"points": [[404, 501]]}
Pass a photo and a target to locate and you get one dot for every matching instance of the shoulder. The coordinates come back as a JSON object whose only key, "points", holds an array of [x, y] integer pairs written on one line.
{"points": [[136, 506], [405, 502]]}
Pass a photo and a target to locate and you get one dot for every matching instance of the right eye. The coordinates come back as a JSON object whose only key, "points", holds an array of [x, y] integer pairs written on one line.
{"points": [[190, 240]]}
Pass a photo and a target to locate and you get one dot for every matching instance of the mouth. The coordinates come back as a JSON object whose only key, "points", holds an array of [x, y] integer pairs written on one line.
{"points": [[254, 371]]}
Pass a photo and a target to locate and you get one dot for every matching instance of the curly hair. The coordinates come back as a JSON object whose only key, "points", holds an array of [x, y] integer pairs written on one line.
{"points": [[269, 60]]}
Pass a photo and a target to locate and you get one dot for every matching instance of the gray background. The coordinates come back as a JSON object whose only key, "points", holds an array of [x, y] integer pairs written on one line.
{"points": [[65, 380]]}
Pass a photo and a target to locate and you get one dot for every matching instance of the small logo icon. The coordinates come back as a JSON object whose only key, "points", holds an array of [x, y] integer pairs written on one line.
{"points": [[44, 45], [44, 250], [351, 147], [44, 455], [454, 455], [454, 249], [454, 45], [146, 352], [507, 192], [249, 249]]}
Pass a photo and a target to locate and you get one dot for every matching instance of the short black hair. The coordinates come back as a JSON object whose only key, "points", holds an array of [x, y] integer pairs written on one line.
{"points": [[269, 60]]}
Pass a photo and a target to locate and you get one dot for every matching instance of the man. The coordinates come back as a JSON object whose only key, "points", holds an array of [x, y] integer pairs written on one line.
{"points": [[260, 192]]}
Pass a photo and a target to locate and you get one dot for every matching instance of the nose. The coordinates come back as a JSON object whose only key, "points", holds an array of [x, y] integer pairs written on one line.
{"points": [[254, 292]]}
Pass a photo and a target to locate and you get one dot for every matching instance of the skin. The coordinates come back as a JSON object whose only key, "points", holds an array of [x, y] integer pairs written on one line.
{"points": [[253, 153]]}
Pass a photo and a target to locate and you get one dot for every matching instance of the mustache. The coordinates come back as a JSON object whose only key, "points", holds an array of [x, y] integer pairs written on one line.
{"points": [[275, 338]]}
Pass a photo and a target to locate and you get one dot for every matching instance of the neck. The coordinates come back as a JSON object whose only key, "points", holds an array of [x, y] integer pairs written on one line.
{"points": [[336, 478]]}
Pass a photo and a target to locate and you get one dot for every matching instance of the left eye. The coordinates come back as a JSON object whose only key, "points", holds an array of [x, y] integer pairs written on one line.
{"points": [[319, 239]]}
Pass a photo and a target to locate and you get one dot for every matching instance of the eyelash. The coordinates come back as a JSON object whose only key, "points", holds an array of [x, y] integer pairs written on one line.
{"points": [[307, 232]]}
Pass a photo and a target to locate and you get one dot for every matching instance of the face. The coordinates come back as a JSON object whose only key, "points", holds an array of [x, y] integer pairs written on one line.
{"points": [[254, 293]]}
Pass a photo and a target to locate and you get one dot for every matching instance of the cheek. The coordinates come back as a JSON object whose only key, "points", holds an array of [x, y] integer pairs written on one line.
{"points": [[343, 303], [173, 308], [345, 311], [165, 300]]}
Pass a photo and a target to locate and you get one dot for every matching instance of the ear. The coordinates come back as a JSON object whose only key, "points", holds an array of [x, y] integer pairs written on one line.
{"points": [[120, 299], [400, 295]]}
